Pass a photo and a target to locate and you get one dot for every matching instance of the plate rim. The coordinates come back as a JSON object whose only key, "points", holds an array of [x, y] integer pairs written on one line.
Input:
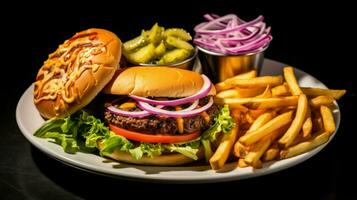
{"points": [[218, 177]]}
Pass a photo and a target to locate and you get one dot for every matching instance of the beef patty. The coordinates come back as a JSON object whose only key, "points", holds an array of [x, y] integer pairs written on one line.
{"points": [[154, 124]]}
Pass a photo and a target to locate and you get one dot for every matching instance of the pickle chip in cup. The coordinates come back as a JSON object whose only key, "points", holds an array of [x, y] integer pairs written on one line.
{"points": [[159, 46]]}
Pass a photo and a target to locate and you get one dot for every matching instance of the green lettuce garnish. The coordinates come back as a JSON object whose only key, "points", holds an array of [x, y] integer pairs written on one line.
{"points": [[114, 142], [223, 123], [82, 132], [79, 132]]}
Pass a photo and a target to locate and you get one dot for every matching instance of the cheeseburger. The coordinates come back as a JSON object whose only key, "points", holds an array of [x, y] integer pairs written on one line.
{"points": [[163, 111]]}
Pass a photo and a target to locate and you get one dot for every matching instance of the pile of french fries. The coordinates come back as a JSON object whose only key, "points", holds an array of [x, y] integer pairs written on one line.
{"points": [[275, 118]]}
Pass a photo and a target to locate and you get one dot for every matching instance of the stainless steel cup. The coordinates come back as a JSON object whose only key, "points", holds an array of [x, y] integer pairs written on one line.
{"points": [[218, 67], [185, 64]]}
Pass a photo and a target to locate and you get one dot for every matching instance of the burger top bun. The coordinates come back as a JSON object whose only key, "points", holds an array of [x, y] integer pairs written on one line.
{"points": [[155, 82], [76, 72]]}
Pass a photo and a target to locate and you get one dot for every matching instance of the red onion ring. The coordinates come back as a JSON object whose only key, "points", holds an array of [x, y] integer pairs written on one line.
{"points": [[145, 113], [207, 85], [117, 111], [231, 35], [175, 114], [202, 30]]}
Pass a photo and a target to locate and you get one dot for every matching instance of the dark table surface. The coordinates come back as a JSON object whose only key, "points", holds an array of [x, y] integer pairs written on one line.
{"points": [[305, 36]]}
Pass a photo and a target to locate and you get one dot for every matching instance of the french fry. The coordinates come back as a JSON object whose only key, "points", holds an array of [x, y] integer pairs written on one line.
{"points": [[300, 138], [257, 151], [257, 112], [261, 120], [242, 164], [321, 100], [314, 92], [236, 113], [240, 107], [249, 92], [307, 125], [281, 110], [224, 86], [249, 118], [266, 93], [306, 146], [280, 90], [291, 80], [257, 164], [296, 125], [328, 120], [231, 93], [259, 103], [276, 119], [317, 124], [266, 129], [240, 92], [271, 154], [262, 145], [220, 156], [262, 81], [239, 149]]}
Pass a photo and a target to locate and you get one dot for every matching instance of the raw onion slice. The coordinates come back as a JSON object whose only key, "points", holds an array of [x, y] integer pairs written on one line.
{"points": [[144, 113], [231, 35], [118, 111], [207, 85], [175, 114]]}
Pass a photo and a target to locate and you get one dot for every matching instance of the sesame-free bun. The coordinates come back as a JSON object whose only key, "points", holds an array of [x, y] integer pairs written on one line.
{"points": [[172, 159], [76, 72], [155, 82]]}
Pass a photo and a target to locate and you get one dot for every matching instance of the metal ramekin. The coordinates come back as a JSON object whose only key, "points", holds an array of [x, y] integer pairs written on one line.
{"points": [[186, 64], [218, 67]]}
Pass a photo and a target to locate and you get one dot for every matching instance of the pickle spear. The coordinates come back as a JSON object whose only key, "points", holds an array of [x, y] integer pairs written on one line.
{"points": [[159, 46], [174, 56], [178, 33], [160, 50], [155, 34], [134, 43], [143, 55], [180, 44]]}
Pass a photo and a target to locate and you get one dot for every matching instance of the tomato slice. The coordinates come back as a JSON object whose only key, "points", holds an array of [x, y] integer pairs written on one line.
{"points": [[142, 137]]}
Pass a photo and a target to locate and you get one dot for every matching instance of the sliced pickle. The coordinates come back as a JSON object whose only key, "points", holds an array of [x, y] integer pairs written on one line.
{"points": [[143, 55], [174, 56], [134, 43], [180, 44], [178, 33], [155, 35], [158, 45], [160, 49]]}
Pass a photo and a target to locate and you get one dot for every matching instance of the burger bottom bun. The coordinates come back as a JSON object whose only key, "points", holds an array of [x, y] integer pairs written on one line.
{"points": [[173, 159]]}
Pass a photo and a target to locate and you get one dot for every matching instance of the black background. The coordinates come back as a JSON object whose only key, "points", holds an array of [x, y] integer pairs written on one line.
{"points": [[312, 37]]}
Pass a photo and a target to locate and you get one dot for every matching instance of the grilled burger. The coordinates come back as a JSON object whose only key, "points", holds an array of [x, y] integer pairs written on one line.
{"points": [[163, 111]]}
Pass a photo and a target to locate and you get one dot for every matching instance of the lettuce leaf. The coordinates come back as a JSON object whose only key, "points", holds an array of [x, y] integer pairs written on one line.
{"points": [[79, 132], [223, 124], [184, 150], [68, 143], [149, 149], [188, 149], [114, 142]]}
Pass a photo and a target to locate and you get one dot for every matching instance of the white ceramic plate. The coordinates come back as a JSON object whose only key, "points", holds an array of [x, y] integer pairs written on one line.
{"points": [[29, 120]]}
